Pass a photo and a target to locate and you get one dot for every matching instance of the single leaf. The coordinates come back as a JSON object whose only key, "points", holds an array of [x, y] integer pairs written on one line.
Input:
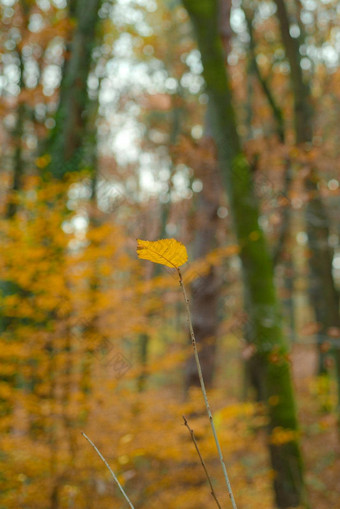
{"points": [[169, 252]]}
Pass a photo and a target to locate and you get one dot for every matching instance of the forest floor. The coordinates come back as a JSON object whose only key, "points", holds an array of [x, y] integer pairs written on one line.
{"points": [[320, 434]]}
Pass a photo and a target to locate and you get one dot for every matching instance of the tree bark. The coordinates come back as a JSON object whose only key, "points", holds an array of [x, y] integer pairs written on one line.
{"points": [[205, 288], [303, 110], [18, 164], [65, 145], [324, 296], [280, 252], [265, 321], [276, 110], [8, 287]]}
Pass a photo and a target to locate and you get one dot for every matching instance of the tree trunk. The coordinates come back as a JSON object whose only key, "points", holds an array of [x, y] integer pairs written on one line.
{"points": [[323, 293], [276, 110], [265, 321], [8, 287], [205, 288], [281, 254], [303, 110], [66, 141], [18, 164], [65, 146]]}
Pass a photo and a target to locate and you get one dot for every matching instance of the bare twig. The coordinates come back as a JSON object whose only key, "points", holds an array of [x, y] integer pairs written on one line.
{"points": [[202, 461], [200, 375], [109, 468]]}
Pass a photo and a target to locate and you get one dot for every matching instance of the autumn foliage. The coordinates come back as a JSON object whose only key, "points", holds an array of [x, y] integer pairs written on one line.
{"points": [[95, 340]]}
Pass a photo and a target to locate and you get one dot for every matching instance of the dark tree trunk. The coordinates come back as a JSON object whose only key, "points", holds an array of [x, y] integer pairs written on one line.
{"points": [[205, 288], [324, 296], [265, 321], [303, 110], [18, 164], [276, 110], [65, 145]]}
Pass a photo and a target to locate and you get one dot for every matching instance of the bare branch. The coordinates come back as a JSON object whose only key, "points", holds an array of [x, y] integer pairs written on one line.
{"points": [[109, 468], [204, 392], [202, 461]]}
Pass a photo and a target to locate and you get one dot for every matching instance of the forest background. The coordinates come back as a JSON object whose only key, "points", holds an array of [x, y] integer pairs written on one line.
{"points": [[212, 122]]}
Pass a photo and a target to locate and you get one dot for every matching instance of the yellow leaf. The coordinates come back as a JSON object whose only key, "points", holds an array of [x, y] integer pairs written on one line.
{"points": [[169, 252]]}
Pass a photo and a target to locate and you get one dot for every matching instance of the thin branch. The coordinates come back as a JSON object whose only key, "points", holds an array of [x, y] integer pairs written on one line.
{"points": [[109, 468], [200, 375], [285, 224], [202, 461], [276, 110]]}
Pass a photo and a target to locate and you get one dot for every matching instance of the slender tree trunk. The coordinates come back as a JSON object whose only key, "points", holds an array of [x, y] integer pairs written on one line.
{"points": [[89, 325], [205, 288], [303, 110], [270, 346], [322, 290], [276, 110], [165, 209], [18, 164], [323, 293]]}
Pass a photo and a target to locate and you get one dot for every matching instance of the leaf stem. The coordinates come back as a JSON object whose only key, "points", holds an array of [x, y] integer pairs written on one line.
{"points": [[109, 468], [200, 375]]}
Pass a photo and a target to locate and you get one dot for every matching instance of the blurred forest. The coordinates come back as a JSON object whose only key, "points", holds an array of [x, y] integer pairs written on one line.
{"points": [[215, 122]]}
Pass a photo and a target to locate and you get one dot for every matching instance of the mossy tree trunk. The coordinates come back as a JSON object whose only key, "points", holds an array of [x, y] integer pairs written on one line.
{"points": [[8, 287], [281, 252], [274, 106], [303, 110], [324, 296], [271, 350], [65, 147], [65, 144]]}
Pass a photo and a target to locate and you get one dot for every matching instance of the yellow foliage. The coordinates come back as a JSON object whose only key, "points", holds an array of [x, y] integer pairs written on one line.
{"points": [[236, 410], [169, 252], [280, 436], [70, 361], [201, 267]]}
